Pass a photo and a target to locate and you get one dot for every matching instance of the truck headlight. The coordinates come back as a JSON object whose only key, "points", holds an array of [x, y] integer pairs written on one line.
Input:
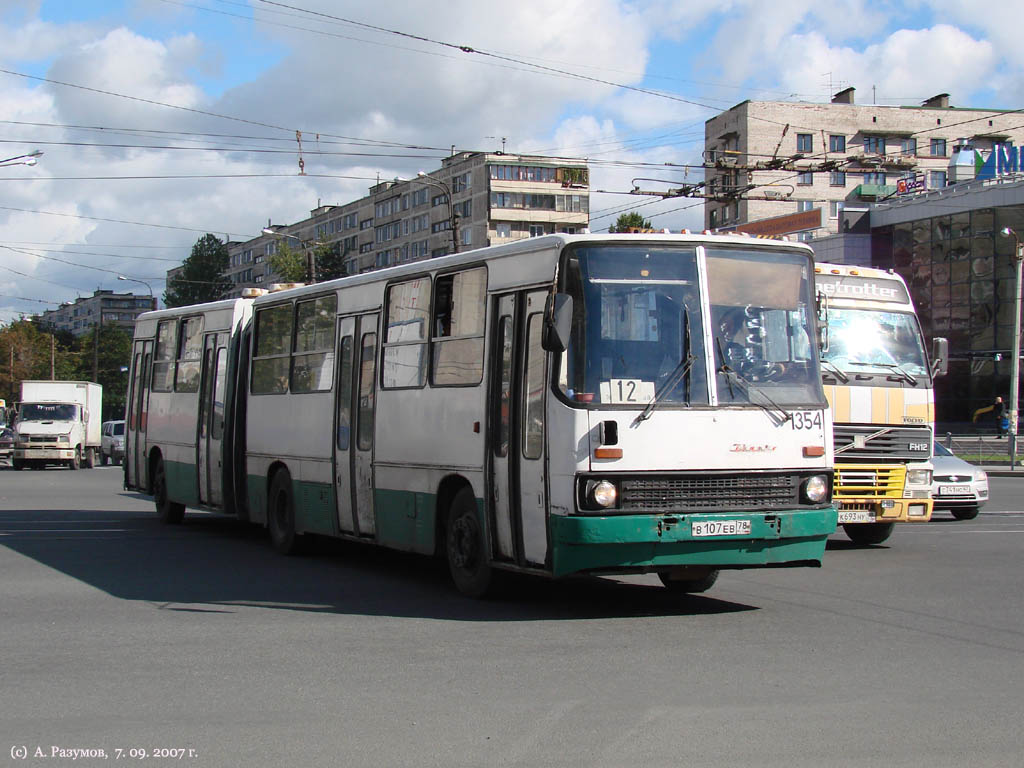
{"points": [[919, 476], [63, 439], [815, 489]]}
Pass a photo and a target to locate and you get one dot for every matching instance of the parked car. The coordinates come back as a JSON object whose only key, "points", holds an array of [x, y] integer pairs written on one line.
{"points": [[960, 487], [112, 442], [6, 442]]}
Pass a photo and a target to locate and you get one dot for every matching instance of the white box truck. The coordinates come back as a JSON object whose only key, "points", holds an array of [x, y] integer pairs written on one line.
{"points": [[58, 422]]}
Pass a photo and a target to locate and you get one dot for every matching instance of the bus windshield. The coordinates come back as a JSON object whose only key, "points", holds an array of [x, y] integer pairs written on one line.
{"points": [[639, 327], [867, 341]]}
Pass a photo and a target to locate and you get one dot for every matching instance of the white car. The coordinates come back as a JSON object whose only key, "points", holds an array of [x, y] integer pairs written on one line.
{"points": [[960, 487], [112, 442]]}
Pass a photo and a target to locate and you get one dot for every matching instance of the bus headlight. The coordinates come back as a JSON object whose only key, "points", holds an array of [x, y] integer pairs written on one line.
{"points": [[602, 493], [815, 489], [919, 477]]}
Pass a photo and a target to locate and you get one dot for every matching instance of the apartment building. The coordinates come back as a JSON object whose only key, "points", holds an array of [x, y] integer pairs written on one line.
{"points": [[103, 307], [475, 199], [804, 157]]}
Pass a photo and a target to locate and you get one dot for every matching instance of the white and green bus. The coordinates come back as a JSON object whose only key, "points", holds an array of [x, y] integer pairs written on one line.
{"points": [[560, 405]]}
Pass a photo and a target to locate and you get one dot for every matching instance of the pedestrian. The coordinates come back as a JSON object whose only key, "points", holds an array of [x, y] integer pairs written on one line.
{"points": [[1002, 418]]}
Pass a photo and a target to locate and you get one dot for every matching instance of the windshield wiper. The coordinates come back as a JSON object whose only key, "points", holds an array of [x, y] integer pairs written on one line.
{"points": [[835, 370], [749, 388], [680, 372], [892, 367]]}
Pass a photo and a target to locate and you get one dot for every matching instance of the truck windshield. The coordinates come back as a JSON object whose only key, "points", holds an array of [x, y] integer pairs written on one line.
{"points": [[867, 341], [637, 322], [48, 412]]}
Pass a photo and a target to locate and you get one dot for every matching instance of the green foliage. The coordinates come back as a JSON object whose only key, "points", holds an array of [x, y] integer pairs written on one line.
{"points": [[38, 354], [627, 221], [289, 264], [330, 263], [202, 276]]}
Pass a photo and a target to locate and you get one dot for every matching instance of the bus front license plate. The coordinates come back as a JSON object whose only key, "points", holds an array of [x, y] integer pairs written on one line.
{"points": [[720, 528]]}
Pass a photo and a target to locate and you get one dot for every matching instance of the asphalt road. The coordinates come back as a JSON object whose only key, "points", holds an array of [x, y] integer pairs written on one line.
{"points": [[118, 633]]}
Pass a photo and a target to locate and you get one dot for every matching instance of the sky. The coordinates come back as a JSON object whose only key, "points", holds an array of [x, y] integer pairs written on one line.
{"points": [[162, 120]]}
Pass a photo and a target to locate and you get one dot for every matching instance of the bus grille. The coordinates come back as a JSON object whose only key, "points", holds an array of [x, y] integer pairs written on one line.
{"points": [[724, 493]]}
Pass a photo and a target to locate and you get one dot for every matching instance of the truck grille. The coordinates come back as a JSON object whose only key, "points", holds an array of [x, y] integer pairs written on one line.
{"points": [[878, 441], [866, 480]]}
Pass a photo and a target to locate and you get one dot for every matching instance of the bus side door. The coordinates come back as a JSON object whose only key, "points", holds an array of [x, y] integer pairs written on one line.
{"points": [[518, 384], [138, 411], [354, 423], [211, 420]]}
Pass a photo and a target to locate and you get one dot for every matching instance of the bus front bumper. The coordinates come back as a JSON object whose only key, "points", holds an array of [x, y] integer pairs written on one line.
{"points": [[582, 543]]}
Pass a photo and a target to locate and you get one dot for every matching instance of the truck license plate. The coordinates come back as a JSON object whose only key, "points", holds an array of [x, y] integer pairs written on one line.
{"points": [[857, 516], [720, 527]]}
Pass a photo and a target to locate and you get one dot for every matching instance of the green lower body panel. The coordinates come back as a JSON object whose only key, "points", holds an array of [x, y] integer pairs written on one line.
{"points": [[315, 506], [640, 542], [182, 482]]}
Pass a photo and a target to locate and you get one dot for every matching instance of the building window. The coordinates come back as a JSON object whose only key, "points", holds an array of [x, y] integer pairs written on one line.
{"points": [[837, 179], [466, 236], [835, 207], [713, 218], [938, 147], [804, 205], [503, 229], [805, 142], [875, 177], [836, 143], [908, 147], [936, 179], [805, 179], [536, 230], [874, 145]]}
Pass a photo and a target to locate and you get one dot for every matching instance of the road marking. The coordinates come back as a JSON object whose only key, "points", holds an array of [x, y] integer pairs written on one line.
{"points": [[64, 530]]}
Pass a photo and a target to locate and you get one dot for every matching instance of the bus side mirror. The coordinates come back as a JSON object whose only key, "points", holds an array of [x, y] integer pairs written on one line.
{"points": [[940, 356], [822, 321], [557, 322]]}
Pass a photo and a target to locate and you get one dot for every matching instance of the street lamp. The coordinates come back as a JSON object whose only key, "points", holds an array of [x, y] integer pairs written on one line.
{"points": [[148, 288], [1015, 351], [453, 223], [30, 159], [311, 255]]}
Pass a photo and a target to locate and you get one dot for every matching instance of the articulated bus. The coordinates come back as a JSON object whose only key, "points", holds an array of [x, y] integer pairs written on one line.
{"points": [[561, 405], [880, 385]]}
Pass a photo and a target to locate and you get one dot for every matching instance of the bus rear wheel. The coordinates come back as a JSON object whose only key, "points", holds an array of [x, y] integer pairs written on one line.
{"points": [[281, 516], [466, 548], [689, 585], [170, 512], [868, 533]]}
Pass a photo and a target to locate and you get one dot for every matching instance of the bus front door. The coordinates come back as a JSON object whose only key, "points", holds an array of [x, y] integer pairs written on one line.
{"points": [[518, 371], [138, 412], [211, 420], [354, 424]]}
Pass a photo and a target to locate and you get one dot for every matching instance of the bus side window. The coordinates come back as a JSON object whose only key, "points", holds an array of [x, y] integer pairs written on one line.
{"points": [[367, 392], [458, 340], [344, 393]]}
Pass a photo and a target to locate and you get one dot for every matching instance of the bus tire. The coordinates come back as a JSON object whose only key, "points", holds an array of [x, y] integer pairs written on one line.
{"points": [[689, 586], [466, 547], [868, 533], [76, 463], [281, 515], [167, 511], [965, 513]]}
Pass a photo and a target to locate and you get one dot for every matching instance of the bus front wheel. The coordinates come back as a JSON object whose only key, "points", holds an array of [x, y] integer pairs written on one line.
{"points": [[868, 533], [170, 512], [281, 516], [466, 548]]}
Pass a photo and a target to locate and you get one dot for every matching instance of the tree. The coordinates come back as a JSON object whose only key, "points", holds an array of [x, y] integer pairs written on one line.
{"points": [[330, 262], [289, 264], [627, 221], [202, 275], [100, 358], [26, 352]]}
